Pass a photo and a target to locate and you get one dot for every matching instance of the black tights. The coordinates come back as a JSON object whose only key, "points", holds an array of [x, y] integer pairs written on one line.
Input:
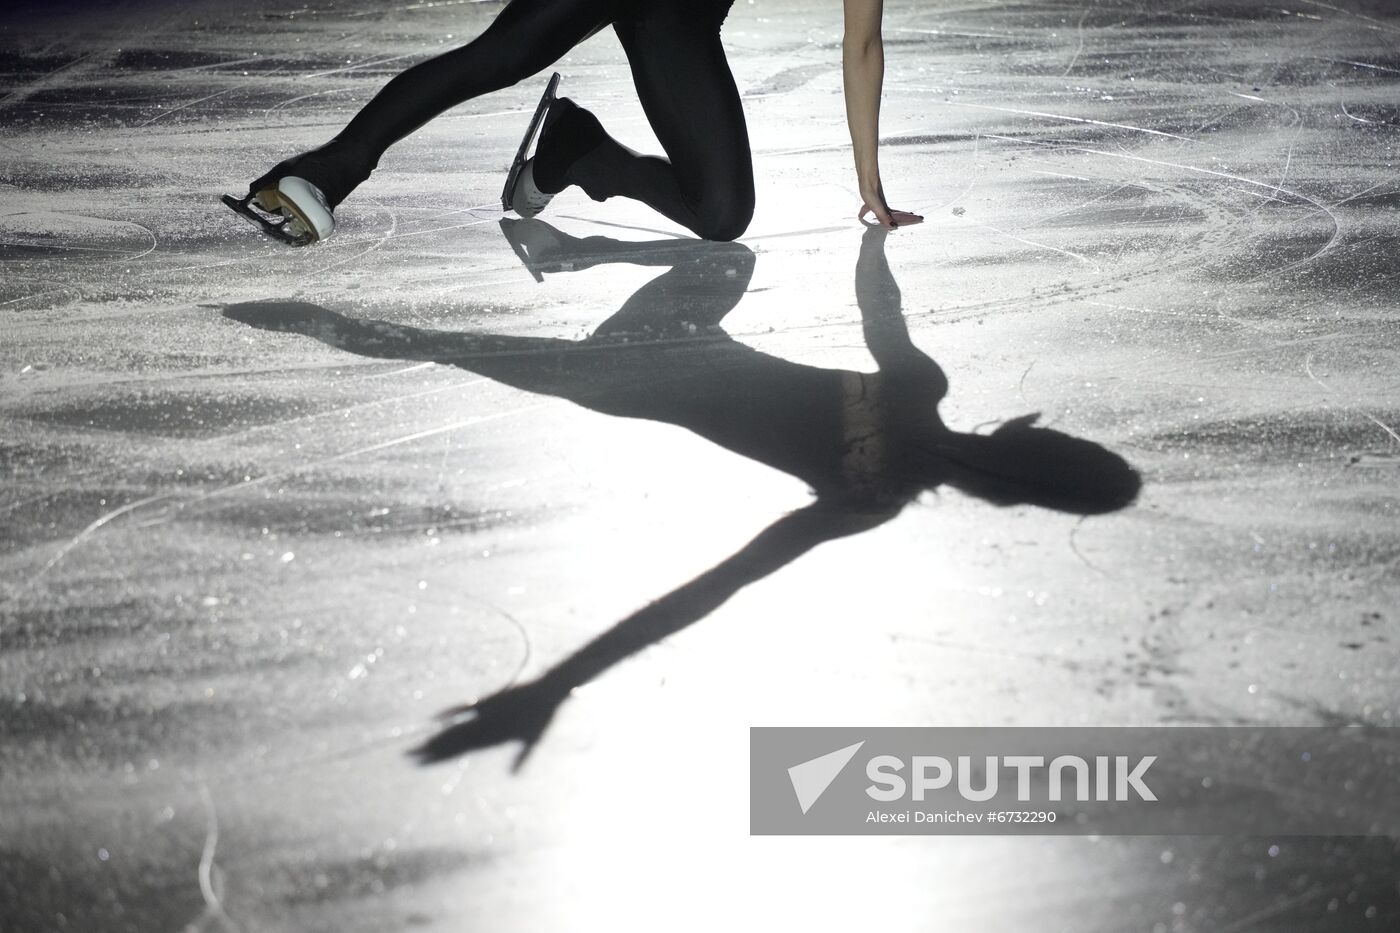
{"points": [[682, 79]]}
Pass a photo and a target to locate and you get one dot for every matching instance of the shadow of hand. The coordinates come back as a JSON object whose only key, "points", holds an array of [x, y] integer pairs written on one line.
{"points": [[367, 338], [520, 713], [295, 317]]}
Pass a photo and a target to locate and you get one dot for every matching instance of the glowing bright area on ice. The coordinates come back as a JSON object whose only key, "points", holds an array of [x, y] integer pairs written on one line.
{"points": [[267, 513]]}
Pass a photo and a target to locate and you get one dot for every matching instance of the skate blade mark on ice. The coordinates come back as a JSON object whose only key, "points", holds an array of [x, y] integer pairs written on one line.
{"points": [[518, 167], [295, 212]]}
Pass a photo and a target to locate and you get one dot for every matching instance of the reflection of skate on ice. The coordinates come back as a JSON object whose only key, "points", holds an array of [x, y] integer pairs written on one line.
{"points": [[542, 248]]}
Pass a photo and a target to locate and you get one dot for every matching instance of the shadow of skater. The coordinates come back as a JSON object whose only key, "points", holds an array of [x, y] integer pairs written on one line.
{"points": [[866, 443]]}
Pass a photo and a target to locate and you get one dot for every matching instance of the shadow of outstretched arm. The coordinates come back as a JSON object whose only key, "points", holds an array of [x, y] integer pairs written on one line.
{"points": [[523, 712]]}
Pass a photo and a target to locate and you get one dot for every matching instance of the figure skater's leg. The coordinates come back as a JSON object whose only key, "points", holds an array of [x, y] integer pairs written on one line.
{"points": [[688, 93], [526, 37]]}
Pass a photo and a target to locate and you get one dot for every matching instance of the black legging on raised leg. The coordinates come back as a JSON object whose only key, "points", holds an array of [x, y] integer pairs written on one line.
{"points": [[682, 77]]}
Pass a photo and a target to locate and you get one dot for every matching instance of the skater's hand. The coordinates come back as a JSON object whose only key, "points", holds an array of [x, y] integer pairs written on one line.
{"points": [[890, 218], [873, 202], [520, 713]]}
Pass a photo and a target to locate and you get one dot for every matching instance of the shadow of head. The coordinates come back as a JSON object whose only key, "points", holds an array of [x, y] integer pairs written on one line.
{"points": [[1021, 464]]}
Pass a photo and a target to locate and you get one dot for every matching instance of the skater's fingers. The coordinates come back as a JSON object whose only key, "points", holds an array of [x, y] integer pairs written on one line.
{"points": [[906, 218], [881, 215]]}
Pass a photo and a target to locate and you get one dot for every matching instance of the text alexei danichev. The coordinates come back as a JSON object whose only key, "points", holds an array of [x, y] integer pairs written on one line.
{"points": [[961, 816]]}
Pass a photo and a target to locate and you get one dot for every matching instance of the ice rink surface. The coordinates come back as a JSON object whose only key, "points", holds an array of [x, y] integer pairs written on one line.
{"points": [[267, 513]]}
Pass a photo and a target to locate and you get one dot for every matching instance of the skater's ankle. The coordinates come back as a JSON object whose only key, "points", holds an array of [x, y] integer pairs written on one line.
{"points": [[569, 133], [335, 168]]}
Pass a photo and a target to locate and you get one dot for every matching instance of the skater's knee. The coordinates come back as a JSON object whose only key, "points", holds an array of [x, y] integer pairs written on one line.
{"points": [[725, 219], [725, 231]]}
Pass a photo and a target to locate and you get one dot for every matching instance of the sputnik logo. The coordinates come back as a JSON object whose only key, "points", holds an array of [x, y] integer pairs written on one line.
{"points": [[810, 779]]}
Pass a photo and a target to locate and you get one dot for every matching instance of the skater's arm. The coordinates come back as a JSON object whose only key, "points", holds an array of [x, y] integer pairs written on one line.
{"points": [[863, 65]]}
